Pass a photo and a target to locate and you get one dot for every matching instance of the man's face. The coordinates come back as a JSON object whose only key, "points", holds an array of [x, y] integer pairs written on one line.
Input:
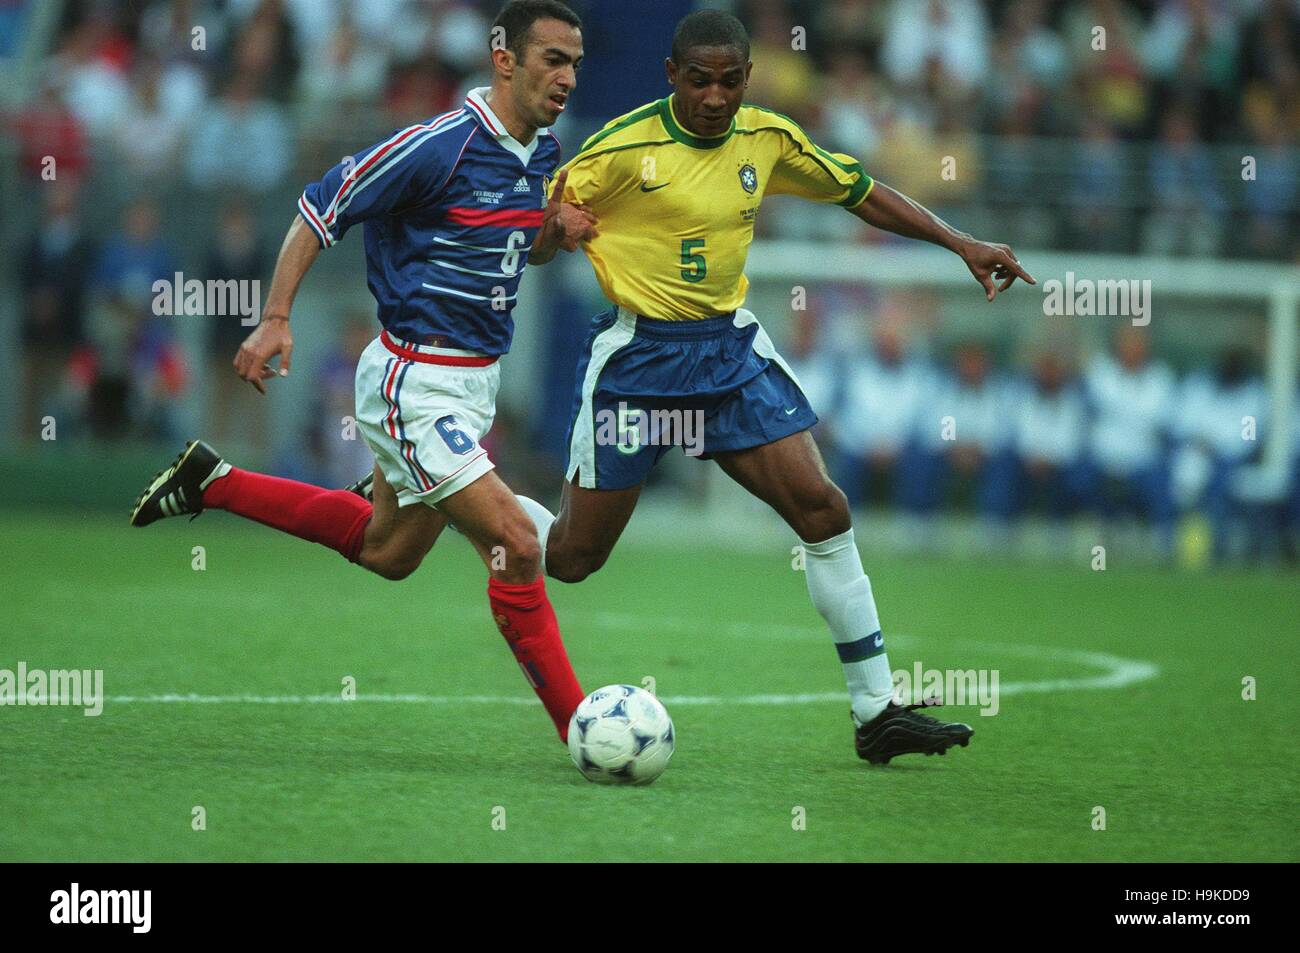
{"points": [[710, 88], [1131, 348], [542, 82], [972, 366]]}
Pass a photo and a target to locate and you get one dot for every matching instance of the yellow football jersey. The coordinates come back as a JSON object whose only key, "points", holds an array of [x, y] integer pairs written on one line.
{"points": [[677, 211]]}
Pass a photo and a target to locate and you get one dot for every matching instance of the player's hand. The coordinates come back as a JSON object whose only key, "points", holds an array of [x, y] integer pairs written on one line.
{"points": [[269, 338], [564, 225], [578, 224], [991, 263]]}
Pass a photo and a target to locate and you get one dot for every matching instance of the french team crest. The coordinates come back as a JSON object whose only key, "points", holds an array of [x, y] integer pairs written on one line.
{"points": [[749, 178]]}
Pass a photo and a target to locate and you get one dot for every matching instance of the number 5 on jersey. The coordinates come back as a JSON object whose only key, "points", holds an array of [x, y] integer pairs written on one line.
{"points": [[698, 267]]}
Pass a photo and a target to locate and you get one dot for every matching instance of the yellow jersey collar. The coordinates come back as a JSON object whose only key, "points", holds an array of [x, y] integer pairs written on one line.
{"points": [[689, 139]]}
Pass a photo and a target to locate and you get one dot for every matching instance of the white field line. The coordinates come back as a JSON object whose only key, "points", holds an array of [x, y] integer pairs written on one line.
{"points": [[1114, 672]]}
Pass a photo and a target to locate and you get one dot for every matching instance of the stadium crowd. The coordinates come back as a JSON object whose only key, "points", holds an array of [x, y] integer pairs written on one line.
{"points": [[1099, 125], [1132, 116]]}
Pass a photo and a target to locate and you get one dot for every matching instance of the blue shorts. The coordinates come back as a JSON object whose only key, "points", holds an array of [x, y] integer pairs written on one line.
{"points": [[647, 385]]}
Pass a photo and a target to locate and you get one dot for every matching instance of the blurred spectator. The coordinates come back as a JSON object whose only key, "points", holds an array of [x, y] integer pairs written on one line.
{"points": [[1018, 159], [340, 454], [55, 265], [350, 69], [1099, 191], [818, 367], [131, 372], [786, 80], [13, 16], [457, 33], [934, 162], [265, 52], [222, 156], [168, 36], [1132, 401], [1221, 424], [848, 121], [419, 90], [1048, 429], [94, 60], [135, 258], [1030, 63], [1269, 60], [962, 441], [883, 400], [1191, 48], [148, 138], [47, 129], [1188, 196], [236, 254], [1272, 198], [1103, 38], [949, 37]]}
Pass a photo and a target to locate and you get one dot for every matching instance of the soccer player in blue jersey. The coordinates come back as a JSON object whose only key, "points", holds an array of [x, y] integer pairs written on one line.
{"points": [[452, 210]]}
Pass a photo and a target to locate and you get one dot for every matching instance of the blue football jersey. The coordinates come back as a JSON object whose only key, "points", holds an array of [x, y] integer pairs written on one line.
{"points": [[450, 208]]}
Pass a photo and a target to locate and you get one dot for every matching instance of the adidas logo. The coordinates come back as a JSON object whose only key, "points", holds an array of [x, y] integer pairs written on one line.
{"points": [[522, 185]]}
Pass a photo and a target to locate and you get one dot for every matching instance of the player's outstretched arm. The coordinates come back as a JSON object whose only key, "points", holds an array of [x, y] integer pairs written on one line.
{"points": [[988, 262], [271, 336]]}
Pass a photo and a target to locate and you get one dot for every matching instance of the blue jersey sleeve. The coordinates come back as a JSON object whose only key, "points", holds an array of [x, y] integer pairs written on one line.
{"points": [[404, 170]]}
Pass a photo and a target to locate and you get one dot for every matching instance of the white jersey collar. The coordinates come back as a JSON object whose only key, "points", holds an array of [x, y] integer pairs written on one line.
{"points": [[476, 102]]}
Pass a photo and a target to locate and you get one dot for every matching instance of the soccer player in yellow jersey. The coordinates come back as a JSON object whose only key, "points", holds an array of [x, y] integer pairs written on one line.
{"points": [[675, 187]]}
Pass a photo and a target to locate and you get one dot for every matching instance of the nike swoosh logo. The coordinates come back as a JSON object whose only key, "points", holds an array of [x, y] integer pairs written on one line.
{"points": [[654, 188], [791, 411]]}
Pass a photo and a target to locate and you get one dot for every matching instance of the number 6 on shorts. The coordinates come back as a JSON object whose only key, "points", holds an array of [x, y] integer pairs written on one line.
{"points": [[453, 438]]}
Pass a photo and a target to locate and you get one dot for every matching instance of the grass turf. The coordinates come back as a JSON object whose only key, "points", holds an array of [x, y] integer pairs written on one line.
{"points": [[1185, 769]]}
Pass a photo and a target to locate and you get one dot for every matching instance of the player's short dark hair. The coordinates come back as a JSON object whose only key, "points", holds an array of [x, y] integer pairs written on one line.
{"points": [[709, 28], [514, 24]]}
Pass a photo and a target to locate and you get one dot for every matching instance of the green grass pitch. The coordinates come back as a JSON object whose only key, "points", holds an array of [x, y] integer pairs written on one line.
{"points": [[1183, 766]]}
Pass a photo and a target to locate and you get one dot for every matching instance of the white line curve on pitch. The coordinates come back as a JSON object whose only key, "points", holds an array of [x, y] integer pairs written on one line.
{"points": [[1116, 672]]}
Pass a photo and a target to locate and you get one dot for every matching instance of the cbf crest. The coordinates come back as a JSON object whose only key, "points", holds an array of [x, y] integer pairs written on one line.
{"points": [[749, 178]]}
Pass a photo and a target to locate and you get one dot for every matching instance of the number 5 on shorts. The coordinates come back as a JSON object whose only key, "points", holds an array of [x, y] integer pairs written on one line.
{"points": [[453, 438]]}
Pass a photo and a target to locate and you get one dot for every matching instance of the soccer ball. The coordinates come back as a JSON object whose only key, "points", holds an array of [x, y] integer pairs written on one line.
{"points": [[621, 735]]}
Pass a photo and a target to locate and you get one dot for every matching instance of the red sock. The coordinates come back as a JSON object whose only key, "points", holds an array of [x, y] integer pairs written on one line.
{"points": [[333, 518], [525, 617]]}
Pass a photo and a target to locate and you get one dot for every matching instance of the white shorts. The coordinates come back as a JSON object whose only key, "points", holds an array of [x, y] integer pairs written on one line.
{"points": [[424, 420]]}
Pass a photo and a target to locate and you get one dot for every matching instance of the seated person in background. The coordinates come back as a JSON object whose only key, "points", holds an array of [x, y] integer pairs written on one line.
{"points": [[883, 395], [962, 440], [1219, 426], [1131, 398], [819, 368], [1048, 424]]}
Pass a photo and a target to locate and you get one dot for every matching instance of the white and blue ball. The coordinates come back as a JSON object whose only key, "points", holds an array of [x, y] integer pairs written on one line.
{"points": [[621, 734]]}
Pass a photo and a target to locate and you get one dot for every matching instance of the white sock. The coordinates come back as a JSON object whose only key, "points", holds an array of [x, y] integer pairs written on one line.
{"points": [[542, 518], [841, 592]]}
